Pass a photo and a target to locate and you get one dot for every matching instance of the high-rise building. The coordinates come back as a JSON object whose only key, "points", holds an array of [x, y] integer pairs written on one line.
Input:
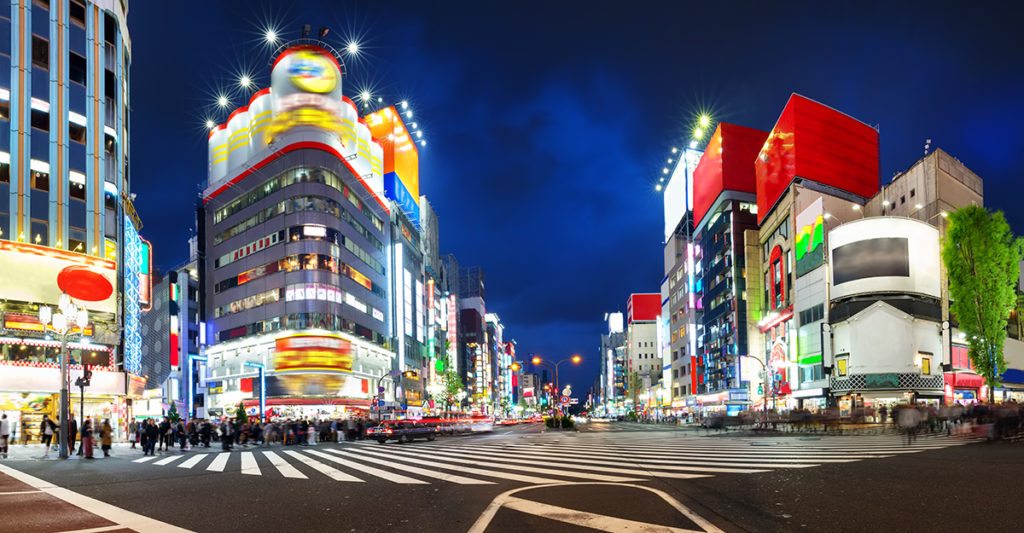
{"points": [[724, 208], [642, 354], [613, 363], [303, 249], [67, 224]]}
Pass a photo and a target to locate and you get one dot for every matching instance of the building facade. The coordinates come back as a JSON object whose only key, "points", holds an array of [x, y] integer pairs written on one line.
{"points": [[66, 223]]}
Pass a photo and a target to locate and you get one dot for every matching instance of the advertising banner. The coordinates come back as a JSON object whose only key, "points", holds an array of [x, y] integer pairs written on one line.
{"points": [[35, 274]]}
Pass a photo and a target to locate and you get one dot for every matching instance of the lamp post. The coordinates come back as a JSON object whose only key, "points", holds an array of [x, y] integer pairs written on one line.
{"points": [[764, 399], [538, 361], [68, 316]]}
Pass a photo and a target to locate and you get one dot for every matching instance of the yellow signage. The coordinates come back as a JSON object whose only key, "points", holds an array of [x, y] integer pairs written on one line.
{"points": [[312, 72]]}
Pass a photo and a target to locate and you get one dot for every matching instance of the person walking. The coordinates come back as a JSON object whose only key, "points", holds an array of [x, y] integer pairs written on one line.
{"points": [[152, 434], [87, 439], [47, 428], [5, 435], [908, 419], [72, 435], [226, 435], [106, 437], [133, 432], [165, 434]]}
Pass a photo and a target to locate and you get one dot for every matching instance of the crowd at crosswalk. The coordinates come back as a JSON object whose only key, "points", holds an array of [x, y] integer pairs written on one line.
{"points": [[626, 457]]}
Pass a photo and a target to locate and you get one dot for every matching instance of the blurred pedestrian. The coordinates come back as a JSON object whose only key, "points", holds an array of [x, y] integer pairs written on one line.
{"points": [[152, 434], [133, 432], [5, 435], [908, 419], [46, 429], [106, 437], [87, 439]]}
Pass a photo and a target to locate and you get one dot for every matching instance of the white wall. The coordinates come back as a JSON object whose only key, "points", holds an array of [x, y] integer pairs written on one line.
{"points": [[883, 339], [923, 248]]}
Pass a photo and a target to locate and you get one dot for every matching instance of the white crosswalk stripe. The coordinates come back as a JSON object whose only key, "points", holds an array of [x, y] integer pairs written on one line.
{"points": [[553, 458], [284, 467], [249, 465]]}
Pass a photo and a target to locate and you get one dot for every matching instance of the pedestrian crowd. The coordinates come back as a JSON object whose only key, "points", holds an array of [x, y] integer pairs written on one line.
{"points": [[164, 435]]}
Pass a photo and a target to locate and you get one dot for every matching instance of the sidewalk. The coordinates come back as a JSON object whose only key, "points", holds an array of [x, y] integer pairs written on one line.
{"points": [[27, 452], [32, 504]]}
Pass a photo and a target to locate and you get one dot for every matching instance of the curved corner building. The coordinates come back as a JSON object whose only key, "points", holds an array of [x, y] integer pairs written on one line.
{"points": [[295, 240], [65, 188]]}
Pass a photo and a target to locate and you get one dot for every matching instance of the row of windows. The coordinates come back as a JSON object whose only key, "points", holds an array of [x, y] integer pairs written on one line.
{"points": [[299, 204], [298, 292], [40, 120], [291, 177], [812, 314], [297, 262], [305, 321], [319, 233]]}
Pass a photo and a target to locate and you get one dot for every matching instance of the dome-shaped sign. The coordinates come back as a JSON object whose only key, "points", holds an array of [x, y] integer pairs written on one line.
{"points": [[312, 72], [83, 284]]}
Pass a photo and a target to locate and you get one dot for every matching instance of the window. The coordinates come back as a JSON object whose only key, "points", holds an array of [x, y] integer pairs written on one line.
{"points": [[40, 52], [110, 29], [109, 201], [911, 193], [5, 173], [903, 199], [926, 365], [76, 68], [77, 191], [77, 12], [5, 109], [842, 362], [41, 181], [40, 120], [76, 132]]}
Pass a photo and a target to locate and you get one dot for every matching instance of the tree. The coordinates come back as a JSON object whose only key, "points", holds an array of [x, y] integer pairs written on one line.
{"points": [[982, 259], [172, 413], [240, 415], [636, 386]]}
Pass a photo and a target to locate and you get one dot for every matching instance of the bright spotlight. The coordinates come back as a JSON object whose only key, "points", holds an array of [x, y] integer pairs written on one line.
{"points": [[693, 144], [698, 133], [674, 150], [405, 104], [364, 96], [352, 48], [705, 121], [408, 114], [419, 134], [423, 142], [223, 101], [664, 171], [210, 124], [270, 36], [245, 81], [657, 187], [380, 99], [414, 126]]}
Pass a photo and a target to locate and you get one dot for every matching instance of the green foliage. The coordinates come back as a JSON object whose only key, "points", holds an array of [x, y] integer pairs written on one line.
{"points": [[172, 413], [567, 422], [240, 415], [982, 259]]}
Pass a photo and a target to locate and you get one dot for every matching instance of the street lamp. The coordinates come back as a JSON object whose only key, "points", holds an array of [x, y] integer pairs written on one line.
{"points": [[764, 397], [68, 316], [538, 361]]}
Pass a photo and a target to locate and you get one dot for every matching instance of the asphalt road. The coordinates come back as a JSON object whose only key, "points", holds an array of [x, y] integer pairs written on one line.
{"points": [[607, 477]]}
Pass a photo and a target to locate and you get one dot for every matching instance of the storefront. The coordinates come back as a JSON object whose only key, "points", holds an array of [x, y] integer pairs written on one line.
{"points": [[811, 399], [965, 388]]}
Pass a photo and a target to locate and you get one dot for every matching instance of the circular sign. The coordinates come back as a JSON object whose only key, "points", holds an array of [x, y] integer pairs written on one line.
{"points": [[312, 72], [83, 284], [563, 400]]}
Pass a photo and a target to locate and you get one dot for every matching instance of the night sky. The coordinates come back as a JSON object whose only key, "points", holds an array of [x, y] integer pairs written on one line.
{"points": [[548, 123]]}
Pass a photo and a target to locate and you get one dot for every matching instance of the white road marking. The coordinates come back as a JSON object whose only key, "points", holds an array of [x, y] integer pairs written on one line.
{"points": [[362, 456], [168, 460], [126, 519], [284, 467], [219, 462], [396, 478], [249, 466], [478, 471], [192, 461], [328, 471], [144, 459]]}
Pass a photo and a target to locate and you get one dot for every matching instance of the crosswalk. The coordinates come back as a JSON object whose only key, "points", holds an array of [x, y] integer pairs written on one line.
{"points": [[556, 459]]}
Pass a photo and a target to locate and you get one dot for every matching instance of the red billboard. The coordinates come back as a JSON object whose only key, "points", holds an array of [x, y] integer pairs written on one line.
{"points": [[727, 164], [817, 143], [643, 307]]}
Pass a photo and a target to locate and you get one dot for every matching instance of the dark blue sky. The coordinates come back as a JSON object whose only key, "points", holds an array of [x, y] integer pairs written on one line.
{"points": [[548, 123]]}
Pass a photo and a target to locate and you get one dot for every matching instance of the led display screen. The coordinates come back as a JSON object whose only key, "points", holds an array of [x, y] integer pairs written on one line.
{"points": [[872, 258]]}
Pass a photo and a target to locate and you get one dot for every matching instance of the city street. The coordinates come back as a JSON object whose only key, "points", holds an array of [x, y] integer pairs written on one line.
{"points": [[606, 477]]}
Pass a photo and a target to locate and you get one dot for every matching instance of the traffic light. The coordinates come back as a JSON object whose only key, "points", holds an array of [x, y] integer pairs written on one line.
{"points": [[87, 376]]}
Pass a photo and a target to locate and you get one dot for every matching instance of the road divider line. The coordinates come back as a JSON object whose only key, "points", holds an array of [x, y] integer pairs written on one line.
{"points": [[219, 462], [284, 467], [328, 471], [383, 474], [249, 466], [613, 459]]}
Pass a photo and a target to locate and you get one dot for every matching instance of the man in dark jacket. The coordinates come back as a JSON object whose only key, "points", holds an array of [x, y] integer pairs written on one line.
{"points": [[152, 434], [165, 434], [72, 434]]}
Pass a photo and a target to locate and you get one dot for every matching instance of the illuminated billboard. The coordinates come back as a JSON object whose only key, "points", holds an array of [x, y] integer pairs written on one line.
{"points": [[401, 160], [817, 143], [884, 255], [810, 237], [135, 259], [675, 198], [727, 164], [312, 354], [305, 91], [38, 274]]}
